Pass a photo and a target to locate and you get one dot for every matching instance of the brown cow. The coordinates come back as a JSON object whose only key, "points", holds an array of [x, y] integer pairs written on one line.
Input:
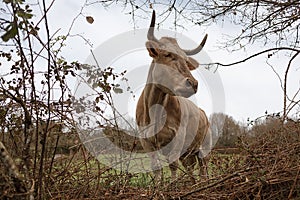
{"points": [[168, 122]]}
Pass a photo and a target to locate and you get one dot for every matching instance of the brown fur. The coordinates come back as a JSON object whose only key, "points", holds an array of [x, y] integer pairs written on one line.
{"points": [[155, 94], [168, 122]]}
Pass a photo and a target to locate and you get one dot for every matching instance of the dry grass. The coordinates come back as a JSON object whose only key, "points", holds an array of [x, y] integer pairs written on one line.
{"points": [[266, 167]]}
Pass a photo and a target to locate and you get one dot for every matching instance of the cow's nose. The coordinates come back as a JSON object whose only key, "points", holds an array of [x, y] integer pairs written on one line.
{"points": [[194, 84]]}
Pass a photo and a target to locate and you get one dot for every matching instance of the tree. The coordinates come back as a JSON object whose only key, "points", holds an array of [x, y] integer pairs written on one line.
{"points": [[226, 129]]}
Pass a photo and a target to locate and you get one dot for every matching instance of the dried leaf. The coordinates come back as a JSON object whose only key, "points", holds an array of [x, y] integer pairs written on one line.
{"points": [[89, 19]]}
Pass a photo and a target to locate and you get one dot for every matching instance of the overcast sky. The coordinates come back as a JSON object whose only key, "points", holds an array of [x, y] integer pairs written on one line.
{"points": [[250, 88]]}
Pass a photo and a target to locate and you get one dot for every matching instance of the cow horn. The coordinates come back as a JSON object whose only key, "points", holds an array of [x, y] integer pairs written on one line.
{"points": [[150, 34], [198, 49]]}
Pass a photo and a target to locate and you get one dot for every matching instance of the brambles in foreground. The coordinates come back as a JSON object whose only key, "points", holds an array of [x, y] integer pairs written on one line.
{"points": [[266, 167]]}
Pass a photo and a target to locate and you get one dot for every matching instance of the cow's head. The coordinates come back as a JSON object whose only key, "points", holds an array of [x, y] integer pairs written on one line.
{"points": [[172, 65]]}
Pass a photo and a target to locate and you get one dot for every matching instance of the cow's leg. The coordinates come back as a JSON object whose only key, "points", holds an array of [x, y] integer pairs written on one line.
{"points": [[189, 163], [203, 168], [154, 158], [173, 167], [155, 166]]}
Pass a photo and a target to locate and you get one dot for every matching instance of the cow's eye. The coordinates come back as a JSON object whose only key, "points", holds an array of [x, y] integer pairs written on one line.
{"points": [[169, 55]]}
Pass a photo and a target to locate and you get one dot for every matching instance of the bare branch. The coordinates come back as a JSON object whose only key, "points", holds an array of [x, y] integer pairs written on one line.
{"points": [[252, 56], [285, 85]]}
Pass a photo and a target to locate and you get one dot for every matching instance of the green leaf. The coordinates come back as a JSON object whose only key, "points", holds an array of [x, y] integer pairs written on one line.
{"points": [[118, 90], [23, 14], [11, 33], [13, 1], [7, 1]]}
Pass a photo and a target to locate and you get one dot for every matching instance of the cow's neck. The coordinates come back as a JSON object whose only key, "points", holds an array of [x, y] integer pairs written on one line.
{"points": [[152, 93], [154, 100]]}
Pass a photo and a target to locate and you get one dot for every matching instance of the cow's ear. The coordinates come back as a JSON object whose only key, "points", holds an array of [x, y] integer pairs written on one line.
{"points": [[153, 48], [192, 63]]}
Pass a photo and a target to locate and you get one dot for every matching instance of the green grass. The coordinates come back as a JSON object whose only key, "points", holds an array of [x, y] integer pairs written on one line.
{"points": [[134, 170]]}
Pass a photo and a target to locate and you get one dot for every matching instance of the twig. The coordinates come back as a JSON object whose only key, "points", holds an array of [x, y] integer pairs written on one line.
{"points": [[285, 86], [295, 181], [44, 134], [237, 173]]}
